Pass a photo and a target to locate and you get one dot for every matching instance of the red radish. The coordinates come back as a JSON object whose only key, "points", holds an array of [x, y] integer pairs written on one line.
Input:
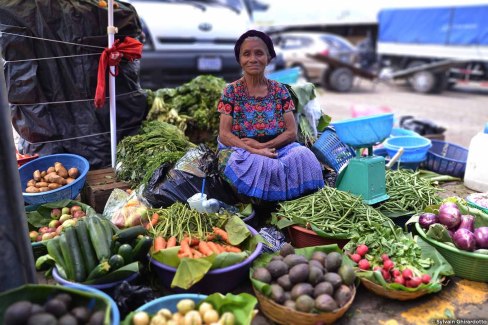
{"points": [[385, 257], [426, 278], [377, 268], [414, 282], [386, 275], [356, 258], [364, 264], [396, 272], [362, 250], [388, 265], [399, 279], [407, 274]]}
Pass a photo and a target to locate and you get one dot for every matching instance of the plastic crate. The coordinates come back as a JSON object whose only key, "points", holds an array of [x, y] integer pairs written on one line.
{"points": [[415, 148], [330, 150], [446, 158], [286, 76]]}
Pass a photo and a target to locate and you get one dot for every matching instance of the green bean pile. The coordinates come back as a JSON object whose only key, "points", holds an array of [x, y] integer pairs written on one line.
{"points": [[335, 212], [409, 193], [179, 220]]}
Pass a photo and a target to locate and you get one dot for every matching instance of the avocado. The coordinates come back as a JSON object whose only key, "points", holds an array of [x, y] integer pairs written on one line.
{"points": [[325, 303], [293, 259], [262, 274], [290, 304], [97, 318], [66, 298], [334, 279], [284, 282], [298, 273], [287, 249], [277, 258], [347, 274], [301, 289], [42, 319], [342, 295], [315, 275], [316, 264], [56, 307], [36, 308], [82, 314], [277, 268], [277, 293], [323, 288], [304, 303], [319, 256], [17, 313], [68, 319], [334, 261]]}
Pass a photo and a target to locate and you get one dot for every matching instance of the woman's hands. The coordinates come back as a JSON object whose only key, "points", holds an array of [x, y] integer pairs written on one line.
{"points": [[253, 143], [267, 152]]}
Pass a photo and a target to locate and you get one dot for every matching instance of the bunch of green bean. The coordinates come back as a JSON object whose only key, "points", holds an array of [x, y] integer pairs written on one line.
{"points": [[408, 192], [335, 212], [179, 220]]}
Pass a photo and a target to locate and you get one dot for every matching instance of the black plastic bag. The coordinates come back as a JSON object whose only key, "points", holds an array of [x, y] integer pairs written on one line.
{"points": [[130, 297], [166, 187], [51, 100], [421, 126]]}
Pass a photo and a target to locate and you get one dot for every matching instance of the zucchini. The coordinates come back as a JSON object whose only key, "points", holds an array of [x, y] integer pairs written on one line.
{"points": [[97, 237], [99, 271], [107, 229], [129, 234], [142, 248], [116, 261], [54, 249], [87, 250], [67, 258], [114, 247], [125, 250], [77, 258]]}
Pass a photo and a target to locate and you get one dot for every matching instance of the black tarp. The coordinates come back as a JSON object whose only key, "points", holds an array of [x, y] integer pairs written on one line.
{"points": [[72, 123]]}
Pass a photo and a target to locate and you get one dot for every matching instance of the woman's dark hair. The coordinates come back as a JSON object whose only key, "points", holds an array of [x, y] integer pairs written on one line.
{"points": [[254, 33]]}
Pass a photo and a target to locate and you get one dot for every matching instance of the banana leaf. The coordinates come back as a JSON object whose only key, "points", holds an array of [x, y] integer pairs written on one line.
{"points": [[117, 275], [40, 215], [241, 305]]}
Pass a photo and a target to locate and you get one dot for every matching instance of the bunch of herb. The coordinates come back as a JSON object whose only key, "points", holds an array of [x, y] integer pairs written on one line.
{"points": [[138, 156]]}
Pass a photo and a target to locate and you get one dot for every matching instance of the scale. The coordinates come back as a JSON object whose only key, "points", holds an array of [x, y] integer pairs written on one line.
{"points": [[364, 175]]}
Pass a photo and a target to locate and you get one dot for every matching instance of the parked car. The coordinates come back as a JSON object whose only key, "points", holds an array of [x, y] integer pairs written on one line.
{"points": [[296, 46], [187, 38]]}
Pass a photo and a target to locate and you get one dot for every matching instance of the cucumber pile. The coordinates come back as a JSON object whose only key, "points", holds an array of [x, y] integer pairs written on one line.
{"points": [[93, 247]]}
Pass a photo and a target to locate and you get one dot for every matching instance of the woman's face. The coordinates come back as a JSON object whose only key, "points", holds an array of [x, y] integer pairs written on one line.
{"points": [[253, 56]]}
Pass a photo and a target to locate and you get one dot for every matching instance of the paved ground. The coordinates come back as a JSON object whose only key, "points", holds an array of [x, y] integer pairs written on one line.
{"points": [[463, 111]]}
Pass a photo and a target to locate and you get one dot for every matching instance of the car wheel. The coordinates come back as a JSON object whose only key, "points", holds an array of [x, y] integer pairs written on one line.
{"points": [[341, 80], [427, 82]]}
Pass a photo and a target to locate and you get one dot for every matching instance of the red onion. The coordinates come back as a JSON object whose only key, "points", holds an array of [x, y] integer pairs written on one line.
{"points": [[481, 237], [449, 215], [464, 239], [426, 219], [467, 222]]}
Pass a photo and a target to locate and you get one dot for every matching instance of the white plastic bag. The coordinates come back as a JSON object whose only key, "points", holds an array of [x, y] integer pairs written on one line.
{"points": [[313, 112]]}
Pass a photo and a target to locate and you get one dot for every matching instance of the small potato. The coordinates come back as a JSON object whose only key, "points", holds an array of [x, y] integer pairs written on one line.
{"points": [[53, 186], [31, 182], [57, 165], [44, 189], [43, 173], [53, 178], [73, 172], [51, 170], [69, 180], [32, 189], [41, 184], [62, 172], [37, 175]]}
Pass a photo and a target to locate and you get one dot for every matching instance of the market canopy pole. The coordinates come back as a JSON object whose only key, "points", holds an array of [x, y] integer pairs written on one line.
{"points": [[111, 30]]}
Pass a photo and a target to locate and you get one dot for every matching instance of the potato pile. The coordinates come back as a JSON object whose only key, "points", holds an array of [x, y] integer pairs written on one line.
{"points": [[54, 177]]}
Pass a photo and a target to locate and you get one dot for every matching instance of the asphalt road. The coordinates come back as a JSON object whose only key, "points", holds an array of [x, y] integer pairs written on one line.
{"points": [[463, 111]]}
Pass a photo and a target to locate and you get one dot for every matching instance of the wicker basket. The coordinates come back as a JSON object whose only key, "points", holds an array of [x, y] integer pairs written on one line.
{"points": [[303, 237], [286, 316], [392, 294], [466, 265]]}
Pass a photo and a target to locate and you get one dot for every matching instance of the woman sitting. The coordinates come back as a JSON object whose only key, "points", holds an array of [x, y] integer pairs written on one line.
{"points": [[258, 151]]}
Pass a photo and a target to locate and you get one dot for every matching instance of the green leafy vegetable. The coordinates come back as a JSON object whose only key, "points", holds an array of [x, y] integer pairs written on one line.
{"points": [[241, 305]]}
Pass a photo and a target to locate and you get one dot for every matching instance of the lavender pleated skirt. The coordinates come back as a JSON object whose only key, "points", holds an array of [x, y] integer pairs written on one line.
{"points": [[295, 172]]}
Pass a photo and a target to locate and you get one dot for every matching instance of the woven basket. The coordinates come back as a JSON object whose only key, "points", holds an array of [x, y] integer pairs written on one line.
{"points": [[392, 294], [286, 316], [466, 265], [303, 237]]}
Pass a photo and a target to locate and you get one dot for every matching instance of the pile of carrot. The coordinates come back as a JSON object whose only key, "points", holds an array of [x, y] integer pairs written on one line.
{"points": [[196, 248]]}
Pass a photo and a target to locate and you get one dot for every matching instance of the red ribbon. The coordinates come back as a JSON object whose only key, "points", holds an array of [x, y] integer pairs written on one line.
{"points": [[129, 49]]}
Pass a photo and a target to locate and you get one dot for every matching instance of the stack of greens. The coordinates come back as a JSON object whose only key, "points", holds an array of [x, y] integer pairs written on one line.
{"points": [[191, 106], [140, 155]]}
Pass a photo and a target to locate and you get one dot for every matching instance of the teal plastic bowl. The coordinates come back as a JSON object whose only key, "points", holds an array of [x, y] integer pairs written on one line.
{"points": [[364, 131], [169, 302], [414, 148]]}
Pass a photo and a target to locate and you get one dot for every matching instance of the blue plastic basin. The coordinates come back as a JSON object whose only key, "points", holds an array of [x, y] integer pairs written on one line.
{"points": [[414, 148], [364, 131], [169, 302]]}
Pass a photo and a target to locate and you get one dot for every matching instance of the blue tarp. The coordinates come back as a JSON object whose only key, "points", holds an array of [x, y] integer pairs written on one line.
{"points": [[467, 25]]}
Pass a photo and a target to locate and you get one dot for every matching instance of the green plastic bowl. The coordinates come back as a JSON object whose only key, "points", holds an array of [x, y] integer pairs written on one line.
{"points": [[466, 265]]}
